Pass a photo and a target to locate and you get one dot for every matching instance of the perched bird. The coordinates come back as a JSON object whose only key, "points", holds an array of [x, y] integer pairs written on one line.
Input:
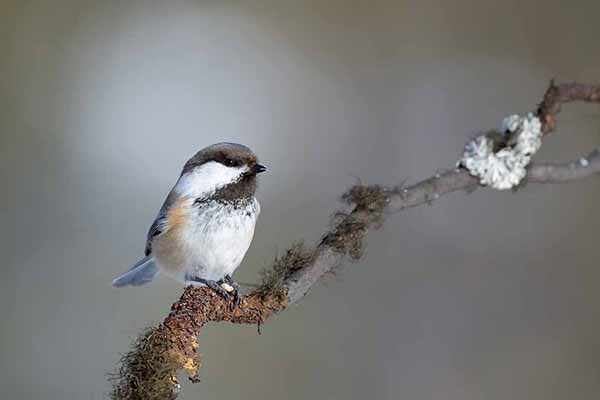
{"points": [[206, 224]]}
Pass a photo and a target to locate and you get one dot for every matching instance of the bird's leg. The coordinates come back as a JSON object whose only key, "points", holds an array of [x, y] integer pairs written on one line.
{"points": [[236, 289], [214, 285]]}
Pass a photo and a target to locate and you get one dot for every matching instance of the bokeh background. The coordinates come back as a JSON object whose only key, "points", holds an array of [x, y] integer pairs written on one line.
{"points": [[482, 296]]}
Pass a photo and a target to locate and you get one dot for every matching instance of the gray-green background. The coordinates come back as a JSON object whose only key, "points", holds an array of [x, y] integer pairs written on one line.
{"points": [[483, 296]]}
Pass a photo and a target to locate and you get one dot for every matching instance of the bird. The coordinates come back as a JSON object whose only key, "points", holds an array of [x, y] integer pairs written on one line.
{"points": [[206, 224]]}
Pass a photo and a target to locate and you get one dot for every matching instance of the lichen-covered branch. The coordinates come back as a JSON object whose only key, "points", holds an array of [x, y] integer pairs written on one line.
{"points": [[149, 370]]}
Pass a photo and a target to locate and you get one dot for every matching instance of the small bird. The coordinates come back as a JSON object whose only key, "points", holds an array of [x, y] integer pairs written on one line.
{"points": [[206, 224]]}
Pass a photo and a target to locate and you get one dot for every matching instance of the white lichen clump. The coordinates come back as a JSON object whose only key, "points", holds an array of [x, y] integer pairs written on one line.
{"points": [[505, 168]]}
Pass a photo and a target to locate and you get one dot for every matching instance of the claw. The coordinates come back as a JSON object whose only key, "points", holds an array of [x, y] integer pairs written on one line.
{"points": [[225, 287], [214, 285], [236, 298], [236, 290]]}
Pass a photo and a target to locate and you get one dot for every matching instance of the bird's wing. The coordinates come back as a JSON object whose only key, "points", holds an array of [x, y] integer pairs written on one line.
{"points": [[158, 226]]}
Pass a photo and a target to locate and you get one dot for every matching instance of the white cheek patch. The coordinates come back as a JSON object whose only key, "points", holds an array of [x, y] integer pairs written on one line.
{"points": [[207, 178]]}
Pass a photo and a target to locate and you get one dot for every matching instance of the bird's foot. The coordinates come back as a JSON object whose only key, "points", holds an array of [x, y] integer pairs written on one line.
{"points": [[214, 285], [228, 280]]}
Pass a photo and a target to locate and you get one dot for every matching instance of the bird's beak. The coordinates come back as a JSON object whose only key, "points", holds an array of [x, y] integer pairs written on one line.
{"points": [[258, 168]]}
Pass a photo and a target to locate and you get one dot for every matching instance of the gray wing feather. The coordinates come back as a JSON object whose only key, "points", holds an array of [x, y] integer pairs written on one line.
{"points": [[158, 225]]}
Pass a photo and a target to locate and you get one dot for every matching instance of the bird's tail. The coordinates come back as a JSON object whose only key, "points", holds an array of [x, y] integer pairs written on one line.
{"points": [[144, 271]]}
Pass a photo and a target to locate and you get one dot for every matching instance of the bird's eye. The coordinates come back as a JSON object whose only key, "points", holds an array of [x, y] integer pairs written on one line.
{"points": [[233, 163]]}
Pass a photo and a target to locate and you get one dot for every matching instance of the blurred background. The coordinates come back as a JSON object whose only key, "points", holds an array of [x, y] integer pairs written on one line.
{"points": [[483, 296]]}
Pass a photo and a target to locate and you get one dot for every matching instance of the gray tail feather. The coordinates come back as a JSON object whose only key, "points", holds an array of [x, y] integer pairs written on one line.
{"points": [[144, 271]]}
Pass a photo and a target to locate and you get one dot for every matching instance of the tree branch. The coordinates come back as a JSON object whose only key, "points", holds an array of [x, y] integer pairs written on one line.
{"points": [[149, 370]]}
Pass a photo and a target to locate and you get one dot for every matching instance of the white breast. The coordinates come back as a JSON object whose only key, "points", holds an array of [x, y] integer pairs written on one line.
{"points": [[215, 240]]}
